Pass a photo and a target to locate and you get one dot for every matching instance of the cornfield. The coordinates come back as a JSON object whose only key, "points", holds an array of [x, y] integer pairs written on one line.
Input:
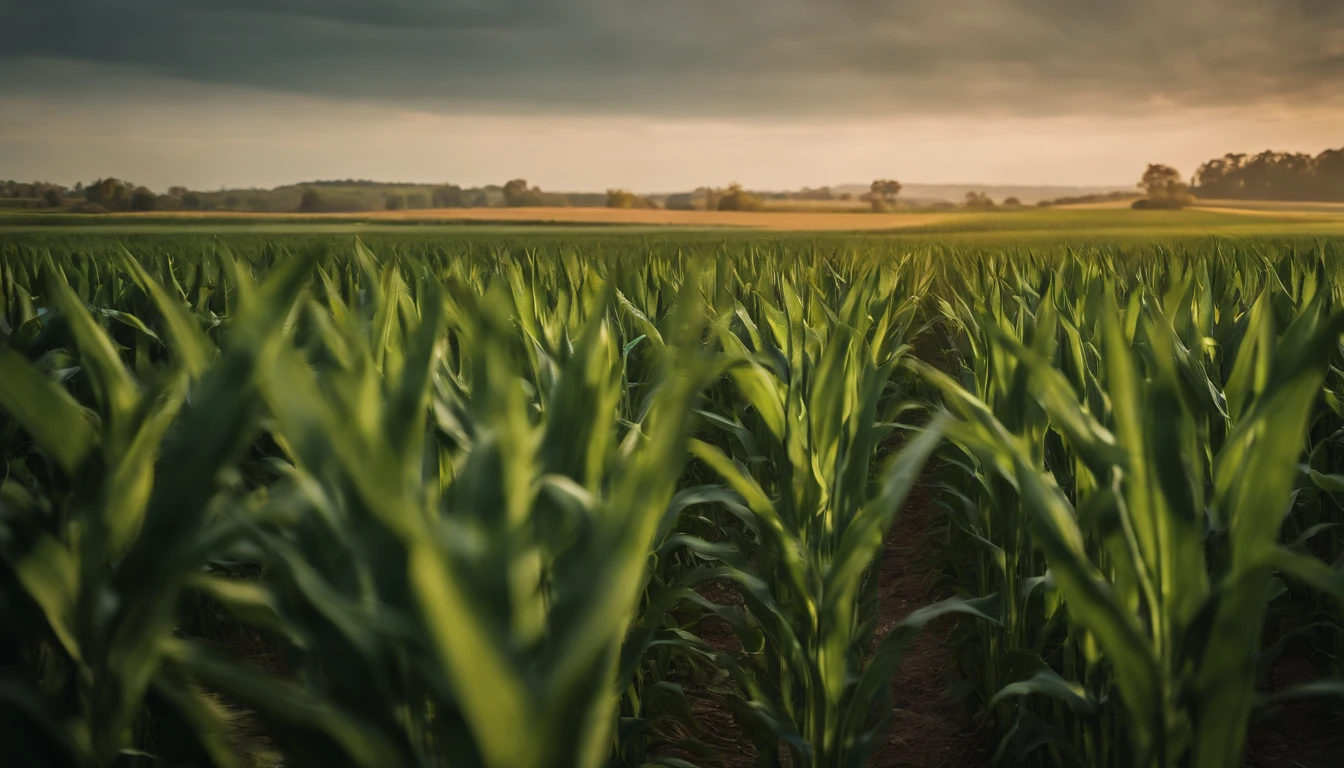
{"points": [[477, 501]]}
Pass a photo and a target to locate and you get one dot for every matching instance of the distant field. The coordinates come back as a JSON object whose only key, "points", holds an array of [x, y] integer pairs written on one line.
{"points": [[819, 206], [807, 220], [1109, 205], [1272, 206], [1095, 221]]}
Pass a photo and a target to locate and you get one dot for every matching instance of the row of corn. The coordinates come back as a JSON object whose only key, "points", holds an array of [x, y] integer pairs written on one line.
{"points": [[1145, 470], [483, 500]]}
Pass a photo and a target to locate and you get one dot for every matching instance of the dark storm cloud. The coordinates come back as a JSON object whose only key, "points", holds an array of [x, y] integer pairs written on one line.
{"points": [[706, 58]]}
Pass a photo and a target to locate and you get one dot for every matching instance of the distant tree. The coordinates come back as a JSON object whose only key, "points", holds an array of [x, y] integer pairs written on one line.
{"points": [[144, 200], [1012, 202], [394, 202], [1164, 188], [79, 187], [1162, 181], [518, 195], [978, 201], [682, 201], [191, 201], [417, 200], [53, 198], [450, 196], [110, 193], [311, 201], [711, 197], [882, 193], [1327, 177], [845, 197], [168, 203], [620, 198], [178, 192], [738, 199], [478, 198], [258, 204]]}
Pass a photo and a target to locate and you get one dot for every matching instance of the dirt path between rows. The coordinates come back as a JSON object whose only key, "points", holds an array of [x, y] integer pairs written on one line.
{"points": [[930, 729]]}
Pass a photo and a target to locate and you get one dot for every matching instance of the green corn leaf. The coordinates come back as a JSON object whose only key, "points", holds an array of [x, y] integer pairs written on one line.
{"points": [[46, 411]]}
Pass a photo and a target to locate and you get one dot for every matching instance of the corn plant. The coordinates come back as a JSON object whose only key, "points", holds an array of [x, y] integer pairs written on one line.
{"points": [[109, 514], [472, 577], [810, 389], [1177, 630]]}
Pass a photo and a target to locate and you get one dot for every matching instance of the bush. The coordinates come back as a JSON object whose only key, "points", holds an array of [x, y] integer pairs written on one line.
{"points": [[1164, 203]]}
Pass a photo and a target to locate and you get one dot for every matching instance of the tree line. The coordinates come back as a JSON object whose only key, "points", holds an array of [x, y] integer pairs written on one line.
{"points": [[113, 195], [109, 195], [1268, 175], [1273, 176], [101, 195]]}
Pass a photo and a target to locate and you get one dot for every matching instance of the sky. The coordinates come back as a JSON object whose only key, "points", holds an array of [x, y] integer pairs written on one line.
{"points": [[659, 95]]}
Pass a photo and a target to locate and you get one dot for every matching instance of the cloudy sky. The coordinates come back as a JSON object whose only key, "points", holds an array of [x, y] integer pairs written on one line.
{"points": [[659, 95]]}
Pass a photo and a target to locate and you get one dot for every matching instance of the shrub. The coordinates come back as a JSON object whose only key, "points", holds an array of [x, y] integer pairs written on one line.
{"points": [[1165, 203]]}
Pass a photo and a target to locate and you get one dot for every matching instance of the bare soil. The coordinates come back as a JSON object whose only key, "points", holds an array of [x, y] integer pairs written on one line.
{"points": [[1304, 733], [930, 729]]}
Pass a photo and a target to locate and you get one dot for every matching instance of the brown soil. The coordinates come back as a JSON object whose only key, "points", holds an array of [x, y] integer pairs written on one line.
{"points": [[1298, 733], [930, 729], [721, 731]]}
